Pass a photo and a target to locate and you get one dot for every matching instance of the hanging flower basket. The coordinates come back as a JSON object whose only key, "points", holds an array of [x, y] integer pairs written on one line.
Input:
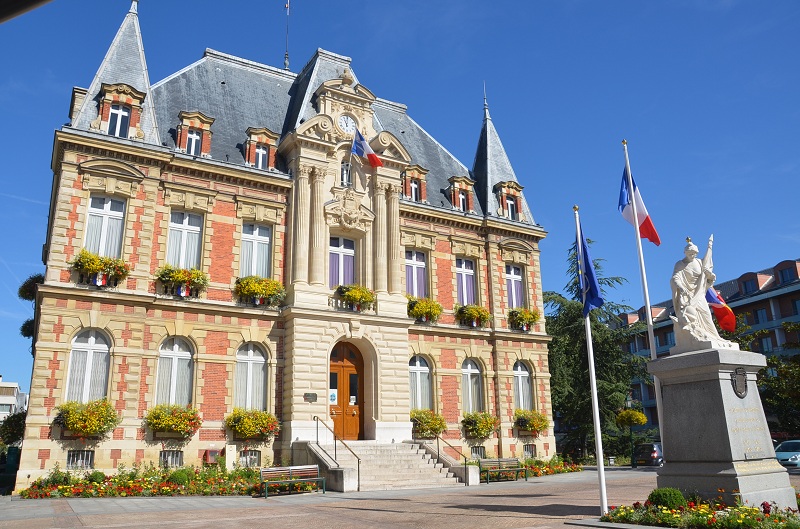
{"points": [[182, 282], [472, 315], [424, 310], [479, 425], [356, 296], [522, 319], [94, 419], [260, 291], [252, 424], [175, 419], [530, 421], [99, 271], [427, 424]]}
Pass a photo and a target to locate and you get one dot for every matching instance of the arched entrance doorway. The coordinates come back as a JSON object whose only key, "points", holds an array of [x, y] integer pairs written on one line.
{"points": [[346, 392]]}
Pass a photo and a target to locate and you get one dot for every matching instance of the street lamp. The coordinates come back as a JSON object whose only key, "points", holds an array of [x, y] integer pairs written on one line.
{"points": [[629, 406]]}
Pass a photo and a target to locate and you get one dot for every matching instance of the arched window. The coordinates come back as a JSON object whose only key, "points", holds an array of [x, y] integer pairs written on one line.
{"points": [[523, 394], [251, 378], [471, 386], [419, 380], [174, 378], [88, 367]]}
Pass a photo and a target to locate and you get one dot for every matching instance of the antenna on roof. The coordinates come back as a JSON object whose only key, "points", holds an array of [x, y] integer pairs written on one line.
{"points": [[286, 55]]}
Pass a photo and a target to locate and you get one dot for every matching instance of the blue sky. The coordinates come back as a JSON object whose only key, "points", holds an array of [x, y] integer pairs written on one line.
{"points": [[705, 92]]}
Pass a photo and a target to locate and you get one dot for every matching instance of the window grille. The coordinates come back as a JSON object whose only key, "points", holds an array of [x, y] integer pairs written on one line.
{"points": [[170, 458], [250, 458], [529, 451], [478, 452], [80, 459]]}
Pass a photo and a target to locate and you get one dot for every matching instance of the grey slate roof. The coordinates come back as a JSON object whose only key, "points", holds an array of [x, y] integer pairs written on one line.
{"points": [[124, 63], [492, 166], [240, 94]]}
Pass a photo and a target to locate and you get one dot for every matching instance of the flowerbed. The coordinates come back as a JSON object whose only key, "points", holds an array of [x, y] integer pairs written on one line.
{"points": [[698, 515], [149, 480], [556, 465]]}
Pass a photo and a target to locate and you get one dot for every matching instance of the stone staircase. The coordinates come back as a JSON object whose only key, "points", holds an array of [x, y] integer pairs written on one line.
{"points": [[391, 466]]}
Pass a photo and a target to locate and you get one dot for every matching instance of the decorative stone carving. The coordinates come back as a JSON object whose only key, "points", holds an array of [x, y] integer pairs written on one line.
{"points": [[347, 212], [248, 209], [465, 248], [514, 256], [418, 240], [189, 200], [110, 176]]}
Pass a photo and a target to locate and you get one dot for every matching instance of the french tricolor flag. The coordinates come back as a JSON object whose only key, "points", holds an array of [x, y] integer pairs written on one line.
{"points": [[646, 228], [724, 314], [362, 148]]}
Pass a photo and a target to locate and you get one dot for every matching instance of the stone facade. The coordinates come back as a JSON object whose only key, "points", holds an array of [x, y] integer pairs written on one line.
{"points": [[304, 200]]}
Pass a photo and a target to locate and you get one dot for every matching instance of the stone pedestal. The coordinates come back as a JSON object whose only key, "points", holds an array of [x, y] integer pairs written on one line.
{"points": [[716, 441]]}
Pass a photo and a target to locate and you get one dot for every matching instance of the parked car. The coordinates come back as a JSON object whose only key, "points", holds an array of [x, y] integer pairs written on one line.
{"points": [[788, 453], [648, 454]]}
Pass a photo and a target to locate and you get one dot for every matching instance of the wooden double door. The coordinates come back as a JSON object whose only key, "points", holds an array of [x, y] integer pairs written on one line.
{"points": [[346, 392]]}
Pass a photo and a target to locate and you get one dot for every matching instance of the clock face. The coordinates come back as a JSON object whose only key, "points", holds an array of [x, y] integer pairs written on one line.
{"points": [[347, 124]]}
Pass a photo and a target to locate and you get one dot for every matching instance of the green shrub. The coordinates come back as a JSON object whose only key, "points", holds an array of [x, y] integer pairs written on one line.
{"points": [[95, 477], [179, 477], [667, 497]]}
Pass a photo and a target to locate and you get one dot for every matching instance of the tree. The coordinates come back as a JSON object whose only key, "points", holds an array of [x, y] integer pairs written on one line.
{"points": [[569, 365], [12, 429], [742, 334], [779, 384], [27, 291]]}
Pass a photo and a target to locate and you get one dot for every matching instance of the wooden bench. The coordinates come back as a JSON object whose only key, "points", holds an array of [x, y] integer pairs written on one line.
{"points": [[290, 476], [500, 467]]}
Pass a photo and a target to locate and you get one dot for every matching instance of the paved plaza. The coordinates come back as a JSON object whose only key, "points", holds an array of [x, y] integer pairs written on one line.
{"points": [[543, 502]]}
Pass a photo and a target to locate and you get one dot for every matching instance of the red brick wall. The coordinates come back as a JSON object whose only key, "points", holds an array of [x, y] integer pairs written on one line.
{"points": [[214, 391]]}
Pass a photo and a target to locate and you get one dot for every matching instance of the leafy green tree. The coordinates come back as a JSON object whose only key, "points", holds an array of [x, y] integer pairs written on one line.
{"points": [[569, 364], [12, 428], [779, 384], [743, 334]]}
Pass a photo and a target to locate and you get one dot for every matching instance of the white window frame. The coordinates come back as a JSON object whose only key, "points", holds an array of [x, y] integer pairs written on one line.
{"points": [[340, 251], [184, 228], [251, 357], [119, 114], [416, 261], [414, 189], [261, 234], [80, 459], [105, 214], [470, 374], [194, 142], [86, 391], [511, 208], [523, 396], [262, 156], [463, 276], [462, 200], [346, 176], [171, 349], [249, 458], [513, 277], [419, 373]]}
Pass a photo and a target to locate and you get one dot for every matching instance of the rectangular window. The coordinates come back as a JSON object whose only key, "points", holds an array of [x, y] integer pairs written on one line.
{"points": [[255, 250], [477, 452], [262, 157], [250, 458], [766, 345], [658, 341], [749, 286], [170, 458], [670, 338], [413, 189], [5, 408], [104, 226], [342, 262], [119, 121], [183, 246], [514, 286], [529, 451], [416, 281], [80, 459], [787, 274], [465, 281], [760, 316], [193, 142], [462, 200], [346, 179], [511, 207]]}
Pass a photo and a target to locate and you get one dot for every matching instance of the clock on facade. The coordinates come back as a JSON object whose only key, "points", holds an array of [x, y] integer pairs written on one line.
{"points": [[347, 124]]}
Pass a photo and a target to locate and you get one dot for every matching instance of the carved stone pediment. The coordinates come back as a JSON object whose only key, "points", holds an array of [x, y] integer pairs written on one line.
{"points": [[188, 198], [414, 239], [319, 127], [515, 251], [347, 212], [387, 144], [465, 248], [258, 210], [110, 176]]}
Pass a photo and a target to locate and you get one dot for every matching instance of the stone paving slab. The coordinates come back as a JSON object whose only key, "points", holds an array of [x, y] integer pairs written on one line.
{"points": [[542, 503]]}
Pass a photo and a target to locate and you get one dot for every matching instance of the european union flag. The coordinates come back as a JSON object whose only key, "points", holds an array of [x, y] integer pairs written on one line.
{"points": [[590, 288]]}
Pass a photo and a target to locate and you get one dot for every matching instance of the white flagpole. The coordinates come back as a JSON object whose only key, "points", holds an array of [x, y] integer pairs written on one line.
{"points": [[598, 437], [648, 311]]}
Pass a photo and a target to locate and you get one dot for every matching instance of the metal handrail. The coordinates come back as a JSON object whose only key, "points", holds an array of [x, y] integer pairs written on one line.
{"points": [[336, 438], [438, 454]]}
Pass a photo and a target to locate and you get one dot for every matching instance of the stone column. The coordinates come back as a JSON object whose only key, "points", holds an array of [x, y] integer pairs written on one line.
{"points": [[379, 234], [301, 221], [393, 239], [318, 247]]}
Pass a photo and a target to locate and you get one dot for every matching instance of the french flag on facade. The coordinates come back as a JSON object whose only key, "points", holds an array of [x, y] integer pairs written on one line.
{"points": [[724, 314], [646, 228], [362, 148]]}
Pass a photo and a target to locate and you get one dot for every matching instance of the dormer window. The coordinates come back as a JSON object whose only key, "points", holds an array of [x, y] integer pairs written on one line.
{"points": [[193, 142], [509, 197], [119, 121], [261, 157], [413, 188], [511, 208], [414, 185], [462, 201], [461, 193], [749, 286]]}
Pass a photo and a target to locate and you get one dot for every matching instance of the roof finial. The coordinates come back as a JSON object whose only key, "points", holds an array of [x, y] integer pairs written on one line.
{"points": [[134, 6], [286, 55], [485, 103]]}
